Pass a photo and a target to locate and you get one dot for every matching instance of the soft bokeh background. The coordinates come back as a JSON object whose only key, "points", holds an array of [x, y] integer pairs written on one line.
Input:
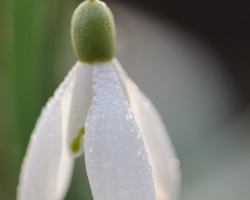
{"points": [[190, 57]]}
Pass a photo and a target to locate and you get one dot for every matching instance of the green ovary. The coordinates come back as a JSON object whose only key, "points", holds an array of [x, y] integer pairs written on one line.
{"points": [[75, 145], [93, 32]]}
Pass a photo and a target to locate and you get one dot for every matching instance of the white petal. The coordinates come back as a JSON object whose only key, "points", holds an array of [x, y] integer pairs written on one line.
{"points": [[46, 162], [116, 159], [81, 102], [162, 157]]}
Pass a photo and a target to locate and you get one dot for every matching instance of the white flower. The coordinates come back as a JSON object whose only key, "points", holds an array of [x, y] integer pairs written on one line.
{"points": [[97, 110]]}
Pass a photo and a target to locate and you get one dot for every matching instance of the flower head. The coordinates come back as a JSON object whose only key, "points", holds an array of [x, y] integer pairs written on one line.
{"points": [[97, 110]]}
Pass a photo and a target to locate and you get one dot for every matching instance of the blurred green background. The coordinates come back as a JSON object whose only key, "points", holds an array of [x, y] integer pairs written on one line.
{"points": [[189, 79], [35, 54]]}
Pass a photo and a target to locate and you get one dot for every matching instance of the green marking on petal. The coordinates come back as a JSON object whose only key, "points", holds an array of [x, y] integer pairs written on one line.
{"points": [[75, 145]]}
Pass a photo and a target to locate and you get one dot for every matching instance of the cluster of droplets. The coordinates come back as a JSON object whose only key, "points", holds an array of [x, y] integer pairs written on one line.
{"points": [[115, 156]]}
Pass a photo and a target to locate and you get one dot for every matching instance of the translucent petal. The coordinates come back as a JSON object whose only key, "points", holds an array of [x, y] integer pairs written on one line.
{"points": [[47, 166], [116, 159], [81, 101], [162, 157]]}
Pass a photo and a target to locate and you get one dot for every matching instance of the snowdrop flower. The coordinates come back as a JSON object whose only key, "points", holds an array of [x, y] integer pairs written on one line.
{"points": [[98, 110]]}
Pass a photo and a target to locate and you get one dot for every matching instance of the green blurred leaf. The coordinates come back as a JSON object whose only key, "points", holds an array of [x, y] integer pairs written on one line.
{"points": [[31, 35]]}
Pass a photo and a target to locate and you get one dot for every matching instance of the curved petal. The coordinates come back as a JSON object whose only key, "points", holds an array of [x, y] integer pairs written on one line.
{"points": [[116, 159], [162, 157], [47, 163], [81, 102]]}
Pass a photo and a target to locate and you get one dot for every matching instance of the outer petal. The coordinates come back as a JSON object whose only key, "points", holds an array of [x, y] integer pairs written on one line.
{"points": [[47, 163], [81, 102], [116, 159], [162, 157]]}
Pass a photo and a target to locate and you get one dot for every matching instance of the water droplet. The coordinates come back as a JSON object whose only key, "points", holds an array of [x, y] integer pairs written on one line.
{"points": [[129, 115], [102, 115], [34, 138], [174, 163], [139, 153]]}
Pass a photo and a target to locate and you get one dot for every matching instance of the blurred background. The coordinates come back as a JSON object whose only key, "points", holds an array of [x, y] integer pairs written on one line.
{"points": [[191, 58]]}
